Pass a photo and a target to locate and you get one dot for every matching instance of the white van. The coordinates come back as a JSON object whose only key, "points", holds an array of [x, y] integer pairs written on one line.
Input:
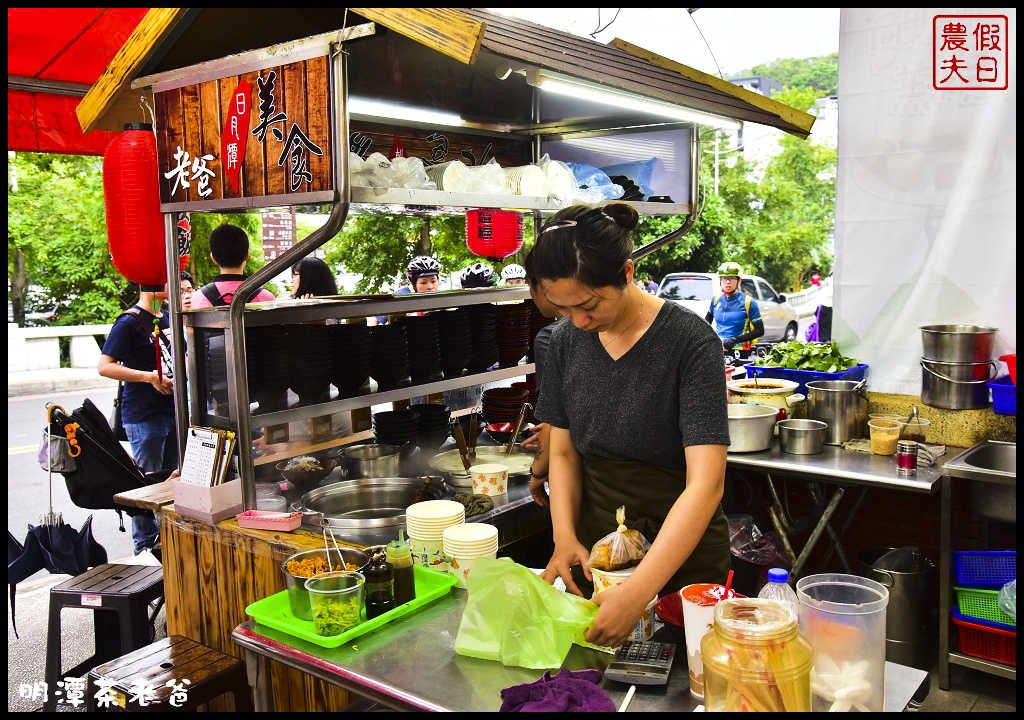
{"points": [[694, 291]]}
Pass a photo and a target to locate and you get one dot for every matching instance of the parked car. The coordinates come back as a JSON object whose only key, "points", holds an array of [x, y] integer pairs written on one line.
{"points": [[695, 290]]}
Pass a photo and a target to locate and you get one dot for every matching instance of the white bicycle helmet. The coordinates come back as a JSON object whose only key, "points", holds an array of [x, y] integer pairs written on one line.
{"points": [[422, 265], [513, 272], [477, 275]]}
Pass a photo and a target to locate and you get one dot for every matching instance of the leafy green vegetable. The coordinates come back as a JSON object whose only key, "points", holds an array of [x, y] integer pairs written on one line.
{"points": [[333, 617], [821, 357]]}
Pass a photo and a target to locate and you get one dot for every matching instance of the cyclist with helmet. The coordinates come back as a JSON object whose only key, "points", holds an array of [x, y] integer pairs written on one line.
{"points": [[477, 275], [424, 273], [513, 275], [737, 319]]}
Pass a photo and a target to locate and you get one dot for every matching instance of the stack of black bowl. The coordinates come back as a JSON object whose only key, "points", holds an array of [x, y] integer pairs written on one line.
{"points": [[311, 371], [352, 358], [537, 323], [424, 348], [268, 356], [390, 356], [483, 321], [456, 341], [503, 404], [513, 332], [396, 427], [631, 191], [217, 370], [434, 424]]}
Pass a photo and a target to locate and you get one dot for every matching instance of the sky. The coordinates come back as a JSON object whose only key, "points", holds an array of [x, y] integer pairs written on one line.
{"points": [[739, 37]]}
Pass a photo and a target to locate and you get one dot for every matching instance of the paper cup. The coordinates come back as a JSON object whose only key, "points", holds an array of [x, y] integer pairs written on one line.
{"points": [[526, 180], [428, 553], [604, 579], [645, 627], [698, 616], [449, 176], [561, 181], [459, 566], [489, 479]]}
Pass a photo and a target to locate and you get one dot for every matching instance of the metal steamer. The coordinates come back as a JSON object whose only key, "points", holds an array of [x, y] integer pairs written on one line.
{"points": [[957, 366]]}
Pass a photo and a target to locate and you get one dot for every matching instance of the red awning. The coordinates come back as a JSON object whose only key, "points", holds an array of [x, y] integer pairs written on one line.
{"points": [[53, 56]]}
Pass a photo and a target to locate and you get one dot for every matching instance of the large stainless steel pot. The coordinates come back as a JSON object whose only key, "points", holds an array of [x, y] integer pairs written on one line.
{"points": [[369, 506], [751, 427], [956, 386], [842, 405], [449, 464], [374, 460], [958, 343]]}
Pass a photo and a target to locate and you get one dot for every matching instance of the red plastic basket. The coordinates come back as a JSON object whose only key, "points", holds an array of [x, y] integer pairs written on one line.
{"points": [[987, 643]]}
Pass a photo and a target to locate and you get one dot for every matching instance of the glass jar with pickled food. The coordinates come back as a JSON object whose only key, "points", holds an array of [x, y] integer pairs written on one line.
{"points": [[755, 659]]}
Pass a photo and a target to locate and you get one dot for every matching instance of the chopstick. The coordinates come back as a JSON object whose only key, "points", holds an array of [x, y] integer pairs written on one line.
{"points": [[625, 700], [519, 426], [460, 439], [474, 434]]}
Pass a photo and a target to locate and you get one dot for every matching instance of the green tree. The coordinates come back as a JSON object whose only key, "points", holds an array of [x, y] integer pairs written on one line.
{"points": [[820, 73]]}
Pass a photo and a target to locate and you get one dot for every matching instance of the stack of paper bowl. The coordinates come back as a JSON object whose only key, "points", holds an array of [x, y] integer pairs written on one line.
{"points": [[465, 543], [425, 523]]}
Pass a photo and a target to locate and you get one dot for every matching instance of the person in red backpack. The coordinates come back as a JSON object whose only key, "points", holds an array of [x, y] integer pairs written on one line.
{"points": [[229, 248]]}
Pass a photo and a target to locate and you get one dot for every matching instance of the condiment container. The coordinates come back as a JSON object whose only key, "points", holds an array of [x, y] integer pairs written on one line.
{"points": [[884, 436], [337, 601], [380, 588], [906, 458], [399, 555], [843, 617], [755, 659]]}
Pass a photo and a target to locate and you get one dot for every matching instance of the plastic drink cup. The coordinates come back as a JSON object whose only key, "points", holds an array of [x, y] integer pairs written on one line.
{"points": [[337, 601], [699, 603], [884, 435], [489, 479]]}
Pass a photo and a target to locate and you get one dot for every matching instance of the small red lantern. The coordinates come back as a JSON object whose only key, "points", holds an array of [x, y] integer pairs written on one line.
{"points": [[494, 234], [135, 225]]}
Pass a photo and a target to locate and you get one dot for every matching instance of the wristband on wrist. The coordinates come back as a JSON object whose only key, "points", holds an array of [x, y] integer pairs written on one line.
{"points": [[539, 477]]}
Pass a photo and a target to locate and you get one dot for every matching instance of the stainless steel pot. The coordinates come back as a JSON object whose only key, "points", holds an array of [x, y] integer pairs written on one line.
{"points": [[449, 464], [298, 596], [751, 427], [802, 437], [958, 343], [840, 404], [374, 460], [357, 507], [956, 386]]}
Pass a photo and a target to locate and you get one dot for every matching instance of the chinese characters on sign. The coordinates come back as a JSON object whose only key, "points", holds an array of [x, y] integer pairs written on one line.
{"points": [[296, 146], [236, 132], [970, 52], [73, 690], [200, 172]]}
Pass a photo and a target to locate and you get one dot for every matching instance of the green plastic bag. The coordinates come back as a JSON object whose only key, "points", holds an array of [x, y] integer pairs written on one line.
{"points": [[516, 618]]}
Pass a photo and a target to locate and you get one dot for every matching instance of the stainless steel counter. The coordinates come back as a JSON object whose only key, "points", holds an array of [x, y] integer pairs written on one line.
{"points": [[411, 664], [839, 466]]}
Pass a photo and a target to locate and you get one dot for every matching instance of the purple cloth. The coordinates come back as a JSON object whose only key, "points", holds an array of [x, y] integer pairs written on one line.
{"points": [[569, 691]]}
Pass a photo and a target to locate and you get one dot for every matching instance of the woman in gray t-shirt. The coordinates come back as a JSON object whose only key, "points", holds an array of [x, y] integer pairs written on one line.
{"points": [[634, 391]]}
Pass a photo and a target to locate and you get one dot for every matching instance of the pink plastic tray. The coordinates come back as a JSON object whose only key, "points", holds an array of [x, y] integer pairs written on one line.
{"points": [[265, 520]]}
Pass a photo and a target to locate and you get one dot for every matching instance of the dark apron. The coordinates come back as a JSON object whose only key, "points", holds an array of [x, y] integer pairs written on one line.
{"points": [[648, 492]]}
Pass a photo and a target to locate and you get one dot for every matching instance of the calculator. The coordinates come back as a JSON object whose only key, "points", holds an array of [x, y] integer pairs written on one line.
{"points": [[642, 663]]}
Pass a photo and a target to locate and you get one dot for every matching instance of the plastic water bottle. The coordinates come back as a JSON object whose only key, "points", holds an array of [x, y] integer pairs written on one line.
{"points": [[778, 589]]}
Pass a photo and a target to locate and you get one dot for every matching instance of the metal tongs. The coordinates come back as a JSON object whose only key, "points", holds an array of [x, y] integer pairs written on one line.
{"points": [[519, 426], [325, 525], [460, 439], [474, 436]]}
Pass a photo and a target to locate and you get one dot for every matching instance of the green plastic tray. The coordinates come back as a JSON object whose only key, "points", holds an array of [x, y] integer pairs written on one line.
{"points": [[274, 611]]}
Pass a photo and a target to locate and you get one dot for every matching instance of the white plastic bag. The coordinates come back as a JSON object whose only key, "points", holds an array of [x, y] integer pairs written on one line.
{"points": [[489, 178], [409, 173], [561, 181]]}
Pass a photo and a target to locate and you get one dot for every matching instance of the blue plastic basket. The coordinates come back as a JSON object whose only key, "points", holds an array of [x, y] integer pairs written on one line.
{"points": [[1004, 395], [802, 377], [991, 569]]}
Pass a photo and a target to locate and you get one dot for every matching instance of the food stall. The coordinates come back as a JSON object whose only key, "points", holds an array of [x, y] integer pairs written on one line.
{"points": [[317, 80]]}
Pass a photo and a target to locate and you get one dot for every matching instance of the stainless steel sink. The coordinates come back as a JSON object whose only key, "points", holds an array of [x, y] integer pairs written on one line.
{"points": [[992, 466]]}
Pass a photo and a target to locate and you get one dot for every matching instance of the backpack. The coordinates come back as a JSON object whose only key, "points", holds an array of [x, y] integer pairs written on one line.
{"points": [[215, 298]]}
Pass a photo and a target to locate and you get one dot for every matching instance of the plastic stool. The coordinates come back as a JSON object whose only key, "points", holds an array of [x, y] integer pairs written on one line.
{"points": [[210, 673], [121, 594]]}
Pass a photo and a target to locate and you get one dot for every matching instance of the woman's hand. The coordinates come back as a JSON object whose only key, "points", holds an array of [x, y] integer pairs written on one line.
{"points": [[162, 384], [533, 442], [617, 617], [565, 556], [540, 495]]}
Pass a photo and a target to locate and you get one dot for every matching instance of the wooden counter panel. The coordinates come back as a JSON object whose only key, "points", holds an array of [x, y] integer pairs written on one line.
{"points": [[211, 574]]}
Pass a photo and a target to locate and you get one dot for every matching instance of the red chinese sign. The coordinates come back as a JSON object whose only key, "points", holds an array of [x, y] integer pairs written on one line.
{"points": [[970, 52], [236, 129]]}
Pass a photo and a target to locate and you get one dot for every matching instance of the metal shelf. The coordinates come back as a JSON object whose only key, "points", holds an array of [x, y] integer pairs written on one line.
{"points": [[987, 666], [289, 312], [377, 398]]}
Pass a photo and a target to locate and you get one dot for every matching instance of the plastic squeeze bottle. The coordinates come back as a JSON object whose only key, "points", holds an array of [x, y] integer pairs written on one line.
{"points": [[399, 555], [778, 589]]}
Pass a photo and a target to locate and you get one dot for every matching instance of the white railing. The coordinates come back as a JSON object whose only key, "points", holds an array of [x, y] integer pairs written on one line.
{"points": [[39, 348], [806, 301]]}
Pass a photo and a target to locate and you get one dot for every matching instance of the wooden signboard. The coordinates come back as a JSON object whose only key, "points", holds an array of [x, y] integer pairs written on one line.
{"points": [[259, 139]]}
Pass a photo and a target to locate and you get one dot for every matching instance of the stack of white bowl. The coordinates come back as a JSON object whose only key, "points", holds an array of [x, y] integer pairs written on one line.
{"points": [[425, 523], [465, 543]]}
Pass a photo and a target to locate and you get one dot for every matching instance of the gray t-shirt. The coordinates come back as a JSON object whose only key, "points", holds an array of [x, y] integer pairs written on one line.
{"points": [[667, 393]]}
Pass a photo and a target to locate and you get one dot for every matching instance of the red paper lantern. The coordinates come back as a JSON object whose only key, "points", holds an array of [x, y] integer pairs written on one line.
{"points": [[494, 233], [135, 225]]}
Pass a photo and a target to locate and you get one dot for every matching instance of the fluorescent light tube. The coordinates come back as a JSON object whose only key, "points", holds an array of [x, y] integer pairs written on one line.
{"points": [[378, 108], [631, 102]]}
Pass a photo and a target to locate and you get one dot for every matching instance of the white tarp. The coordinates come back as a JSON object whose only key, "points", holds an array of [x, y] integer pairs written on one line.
{"points": [[926, 196]]}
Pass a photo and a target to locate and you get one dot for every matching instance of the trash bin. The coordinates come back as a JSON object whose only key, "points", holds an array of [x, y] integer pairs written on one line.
{"points": [[910, 628]]}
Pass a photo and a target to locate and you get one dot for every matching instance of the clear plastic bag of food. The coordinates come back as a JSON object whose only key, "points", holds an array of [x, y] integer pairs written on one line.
{"points": [[619, 550]]}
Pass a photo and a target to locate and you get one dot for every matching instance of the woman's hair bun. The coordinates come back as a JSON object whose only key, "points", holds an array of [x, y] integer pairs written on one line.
{"points": [[624, 215]]}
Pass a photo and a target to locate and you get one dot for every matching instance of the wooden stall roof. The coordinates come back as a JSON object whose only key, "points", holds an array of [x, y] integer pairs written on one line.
{"points": [[463, 33]]}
